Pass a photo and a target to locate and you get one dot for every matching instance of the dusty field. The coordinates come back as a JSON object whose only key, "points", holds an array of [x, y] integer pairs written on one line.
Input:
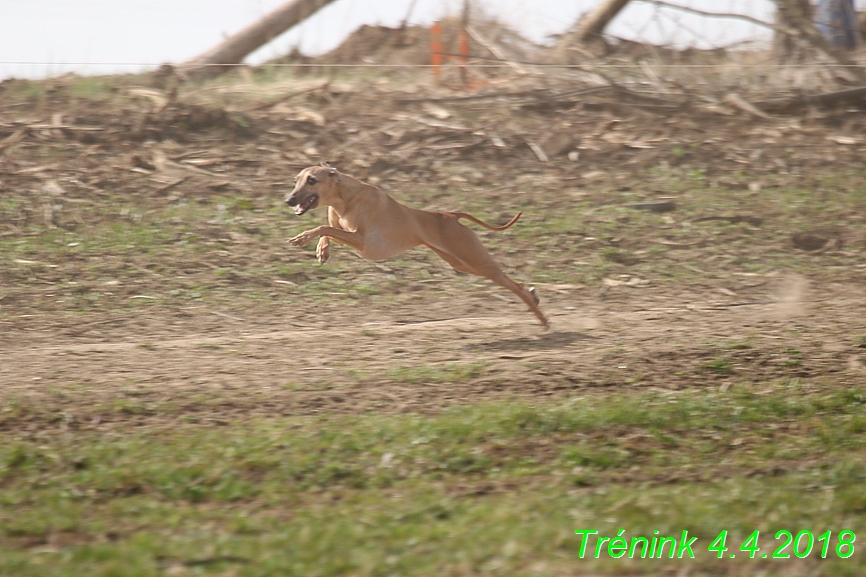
{"points": [[131, 288], [355, 357], [145, 279]]}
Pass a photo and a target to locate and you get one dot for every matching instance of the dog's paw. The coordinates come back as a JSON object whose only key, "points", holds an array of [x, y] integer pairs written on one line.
{"points": [[323, 252], [301, 239], [534, 295]]}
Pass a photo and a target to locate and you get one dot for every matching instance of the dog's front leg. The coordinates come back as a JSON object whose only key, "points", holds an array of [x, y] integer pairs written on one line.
{"points": [[323, 249], [353, 239], [323, 252]]}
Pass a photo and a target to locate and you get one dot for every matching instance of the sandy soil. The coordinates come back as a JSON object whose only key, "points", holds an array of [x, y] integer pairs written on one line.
{"points": [[437, 343]]}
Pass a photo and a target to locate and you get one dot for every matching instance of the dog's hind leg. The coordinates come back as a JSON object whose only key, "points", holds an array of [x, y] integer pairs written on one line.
{"points": [[527, 295], [489, 269]]}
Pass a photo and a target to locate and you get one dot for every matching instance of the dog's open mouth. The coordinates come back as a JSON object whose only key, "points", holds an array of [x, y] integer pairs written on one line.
{"points": [[307, 204]]}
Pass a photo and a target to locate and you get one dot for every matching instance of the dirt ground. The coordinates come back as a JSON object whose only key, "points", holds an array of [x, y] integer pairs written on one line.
{"points": [[218, 368], [104, 337]]}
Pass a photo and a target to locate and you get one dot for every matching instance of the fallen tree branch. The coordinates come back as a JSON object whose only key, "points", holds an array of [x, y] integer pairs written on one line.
{"points": [[168, 185], [493, 49], [849, 96], [65, 127], [757, 21], [536, 94], [653, 100], [13, 138], [810, 36], [738, 101], [734, 219], [287, 97]]}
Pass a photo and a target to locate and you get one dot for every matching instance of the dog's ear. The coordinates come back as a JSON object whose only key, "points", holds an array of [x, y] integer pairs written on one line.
{"points": [[333, 172]]}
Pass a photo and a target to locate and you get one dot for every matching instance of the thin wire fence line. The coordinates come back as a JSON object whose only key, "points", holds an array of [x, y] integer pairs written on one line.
{"points": [[502, 64], [679, 27]]}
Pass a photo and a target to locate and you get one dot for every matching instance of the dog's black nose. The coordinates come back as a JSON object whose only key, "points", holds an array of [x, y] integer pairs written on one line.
{"points": [[290, 200]]}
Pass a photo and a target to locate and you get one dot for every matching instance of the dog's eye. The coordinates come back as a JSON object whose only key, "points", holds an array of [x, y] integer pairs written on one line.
{"points": [[311, 181]]}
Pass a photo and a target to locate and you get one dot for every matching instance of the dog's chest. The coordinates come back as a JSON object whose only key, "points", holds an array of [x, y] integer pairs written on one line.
{"points": [[348, 224]]}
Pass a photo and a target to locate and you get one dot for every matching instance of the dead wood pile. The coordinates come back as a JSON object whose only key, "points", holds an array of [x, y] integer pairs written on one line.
{"points": [[607, 120]]}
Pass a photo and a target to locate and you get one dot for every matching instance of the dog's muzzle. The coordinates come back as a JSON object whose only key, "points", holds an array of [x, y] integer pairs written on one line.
{"points": [[302, 206]]}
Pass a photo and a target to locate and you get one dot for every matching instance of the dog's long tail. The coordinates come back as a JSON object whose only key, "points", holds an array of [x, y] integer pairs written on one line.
{"points": [[484, 224]]}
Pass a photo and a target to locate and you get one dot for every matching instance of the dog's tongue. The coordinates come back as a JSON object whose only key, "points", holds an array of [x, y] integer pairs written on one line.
{"points": [[305, 206]]}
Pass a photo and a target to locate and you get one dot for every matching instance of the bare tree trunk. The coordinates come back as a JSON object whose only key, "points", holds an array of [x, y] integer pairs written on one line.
{"points": [[235, 48], [793, 15], [590, 27], [595, 22]]}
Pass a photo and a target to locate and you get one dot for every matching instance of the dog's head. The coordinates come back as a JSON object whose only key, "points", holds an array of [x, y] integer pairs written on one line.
{"points": [[311, 185]]}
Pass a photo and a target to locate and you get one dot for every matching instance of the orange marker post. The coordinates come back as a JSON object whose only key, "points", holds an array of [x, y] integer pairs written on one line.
{"points": [[436, 48]]}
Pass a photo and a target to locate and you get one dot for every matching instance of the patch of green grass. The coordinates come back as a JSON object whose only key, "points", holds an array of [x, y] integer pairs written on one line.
{"points": [[27, 90], [161, 238], [619, 256], [720, 366], [737, 346], [94, 87], [441, 373], [493, 486], [792, 358]]}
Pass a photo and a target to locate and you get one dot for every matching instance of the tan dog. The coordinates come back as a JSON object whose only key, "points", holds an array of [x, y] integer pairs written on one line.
{"points": [[378, 227]]}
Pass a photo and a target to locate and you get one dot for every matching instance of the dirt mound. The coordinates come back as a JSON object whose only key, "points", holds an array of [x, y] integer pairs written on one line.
{"points": [[179, 119], [382, 45], [412, 44]]}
